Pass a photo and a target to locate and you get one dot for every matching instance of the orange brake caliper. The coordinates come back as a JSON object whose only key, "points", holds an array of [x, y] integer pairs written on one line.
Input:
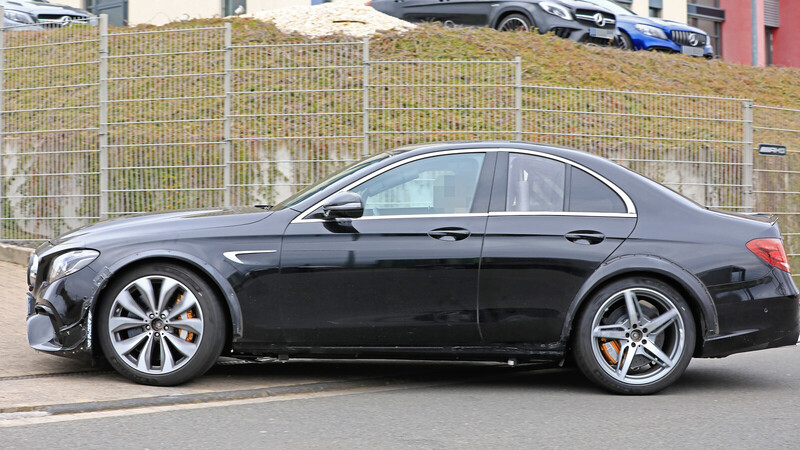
{"points": [[189, 315], [610, 349]]}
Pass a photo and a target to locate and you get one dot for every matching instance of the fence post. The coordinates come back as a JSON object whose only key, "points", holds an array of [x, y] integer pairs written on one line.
{"points": [[747, 156], [103, 125], [365, 83], [2, 106], [518, 96], [226, 145]]}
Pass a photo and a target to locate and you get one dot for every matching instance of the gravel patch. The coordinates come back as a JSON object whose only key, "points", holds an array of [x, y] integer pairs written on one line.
{"points": [[348, 17]]}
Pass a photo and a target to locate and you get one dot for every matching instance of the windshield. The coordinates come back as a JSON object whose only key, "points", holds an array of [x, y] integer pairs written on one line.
{"points": [[314, 188], [613, 7]]}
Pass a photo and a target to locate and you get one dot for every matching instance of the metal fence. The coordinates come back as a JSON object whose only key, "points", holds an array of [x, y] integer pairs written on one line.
{"points": [[49, 168], [99, 123], [776, 179]]}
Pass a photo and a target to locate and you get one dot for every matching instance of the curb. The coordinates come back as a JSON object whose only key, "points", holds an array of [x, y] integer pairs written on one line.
{"points": [[14, 254], [169, 400], [489, 372]]}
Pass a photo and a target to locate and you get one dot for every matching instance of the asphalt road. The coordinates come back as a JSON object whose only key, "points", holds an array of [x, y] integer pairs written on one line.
{"points": [[743, 401]]}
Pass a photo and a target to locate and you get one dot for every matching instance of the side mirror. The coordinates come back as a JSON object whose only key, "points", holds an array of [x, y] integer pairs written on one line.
{"points": [[344, 205]]}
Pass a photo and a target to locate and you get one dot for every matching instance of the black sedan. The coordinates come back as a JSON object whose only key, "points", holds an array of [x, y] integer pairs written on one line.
{"points": [[571, 19], [502, 251]]}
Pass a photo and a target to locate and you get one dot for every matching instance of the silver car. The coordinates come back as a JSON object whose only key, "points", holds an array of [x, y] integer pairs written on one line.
{"points": [[39, 14]]}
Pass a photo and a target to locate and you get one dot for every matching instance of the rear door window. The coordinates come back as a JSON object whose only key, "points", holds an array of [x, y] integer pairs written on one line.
{"points": [[535, 183]]}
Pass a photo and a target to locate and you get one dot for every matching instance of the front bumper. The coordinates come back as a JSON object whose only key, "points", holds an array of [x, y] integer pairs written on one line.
{"points": [[571, 29], [59, 315], [645, 42]]}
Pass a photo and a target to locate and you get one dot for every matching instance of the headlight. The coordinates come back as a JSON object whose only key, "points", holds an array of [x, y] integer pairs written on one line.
{"points": [[33, 269], [18, 16], [651, 31], [556, 10], [70, 262]]}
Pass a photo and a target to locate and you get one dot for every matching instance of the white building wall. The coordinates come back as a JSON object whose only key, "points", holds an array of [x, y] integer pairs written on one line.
{"points": [[672, 9], [675, 10], [159, 12], [73, 3], [260, 5]]}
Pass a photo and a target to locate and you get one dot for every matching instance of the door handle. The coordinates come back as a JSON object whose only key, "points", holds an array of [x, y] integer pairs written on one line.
{"points": [[585, 237], [449, 234]]}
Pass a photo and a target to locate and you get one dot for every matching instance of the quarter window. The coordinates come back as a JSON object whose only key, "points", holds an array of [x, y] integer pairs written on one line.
{"points": [[588, 194], [535, 183], [437, 185]]}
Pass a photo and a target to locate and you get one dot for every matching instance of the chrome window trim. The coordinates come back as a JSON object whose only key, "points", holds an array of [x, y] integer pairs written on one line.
{"points": [[625, 198], [402, 216], [491, 214], [559, 213]]}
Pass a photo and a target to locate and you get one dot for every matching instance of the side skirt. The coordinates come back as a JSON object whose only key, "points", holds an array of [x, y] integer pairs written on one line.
{"points": [[521, 354]]}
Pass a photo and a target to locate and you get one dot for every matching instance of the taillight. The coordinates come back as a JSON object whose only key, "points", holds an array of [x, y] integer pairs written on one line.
{"points": [[770, 250], [367, 4]]}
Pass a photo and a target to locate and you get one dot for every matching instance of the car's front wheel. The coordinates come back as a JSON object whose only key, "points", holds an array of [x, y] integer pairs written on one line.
{"points": [[160, 324], [623, 41], [635, 336], [514, 22]]}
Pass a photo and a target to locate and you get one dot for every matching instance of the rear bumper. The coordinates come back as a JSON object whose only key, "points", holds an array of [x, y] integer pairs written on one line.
{"points": [[773, 322]]}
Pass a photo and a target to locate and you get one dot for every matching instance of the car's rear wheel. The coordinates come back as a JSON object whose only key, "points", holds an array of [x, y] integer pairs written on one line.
{"points": [[514, 22], [635, 336], [161, 325]]}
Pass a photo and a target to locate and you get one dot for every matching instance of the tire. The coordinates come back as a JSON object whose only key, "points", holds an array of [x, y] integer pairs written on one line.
{"points": [[141, 314], [514, 22], [623, 41], [605, 336]]}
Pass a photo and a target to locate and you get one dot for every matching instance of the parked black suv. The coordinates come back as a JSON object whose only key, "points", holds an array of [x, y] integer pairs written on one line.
{"points": [[576, 20]]}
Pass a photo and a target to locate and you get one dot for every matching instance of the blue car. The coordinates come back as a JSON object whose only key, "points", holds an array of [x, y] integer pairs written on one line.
{"points": [[635, 32]]}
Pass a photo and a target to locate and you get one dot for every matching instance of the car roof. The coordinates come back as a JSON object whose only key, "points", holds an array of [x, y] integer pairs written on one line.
{"points": [[577, 156]]}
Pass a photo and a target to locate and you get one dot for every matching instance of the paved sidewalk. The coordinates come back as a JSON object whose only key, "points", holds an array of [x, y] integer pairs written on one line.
{"points": [[22, 385], [31, 381], [16, 357]]}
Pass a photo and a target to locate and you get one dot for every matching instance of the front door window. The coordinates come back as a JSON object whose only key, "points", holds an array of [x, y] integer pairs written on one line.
{"points": [[437, 185]]}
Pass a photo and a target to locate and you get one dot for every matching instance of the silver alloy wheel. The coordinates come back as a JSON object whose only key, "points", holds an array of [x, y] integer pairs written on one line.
{"points": [[514, 23], [623, 42], [155, 324], [646, 330]]}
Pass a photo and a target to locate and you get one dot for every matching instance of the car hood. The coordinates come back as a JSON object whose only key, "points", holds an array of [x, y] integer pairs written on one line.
{"points": [[668, 25], [44, 8], [166, 224]]}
